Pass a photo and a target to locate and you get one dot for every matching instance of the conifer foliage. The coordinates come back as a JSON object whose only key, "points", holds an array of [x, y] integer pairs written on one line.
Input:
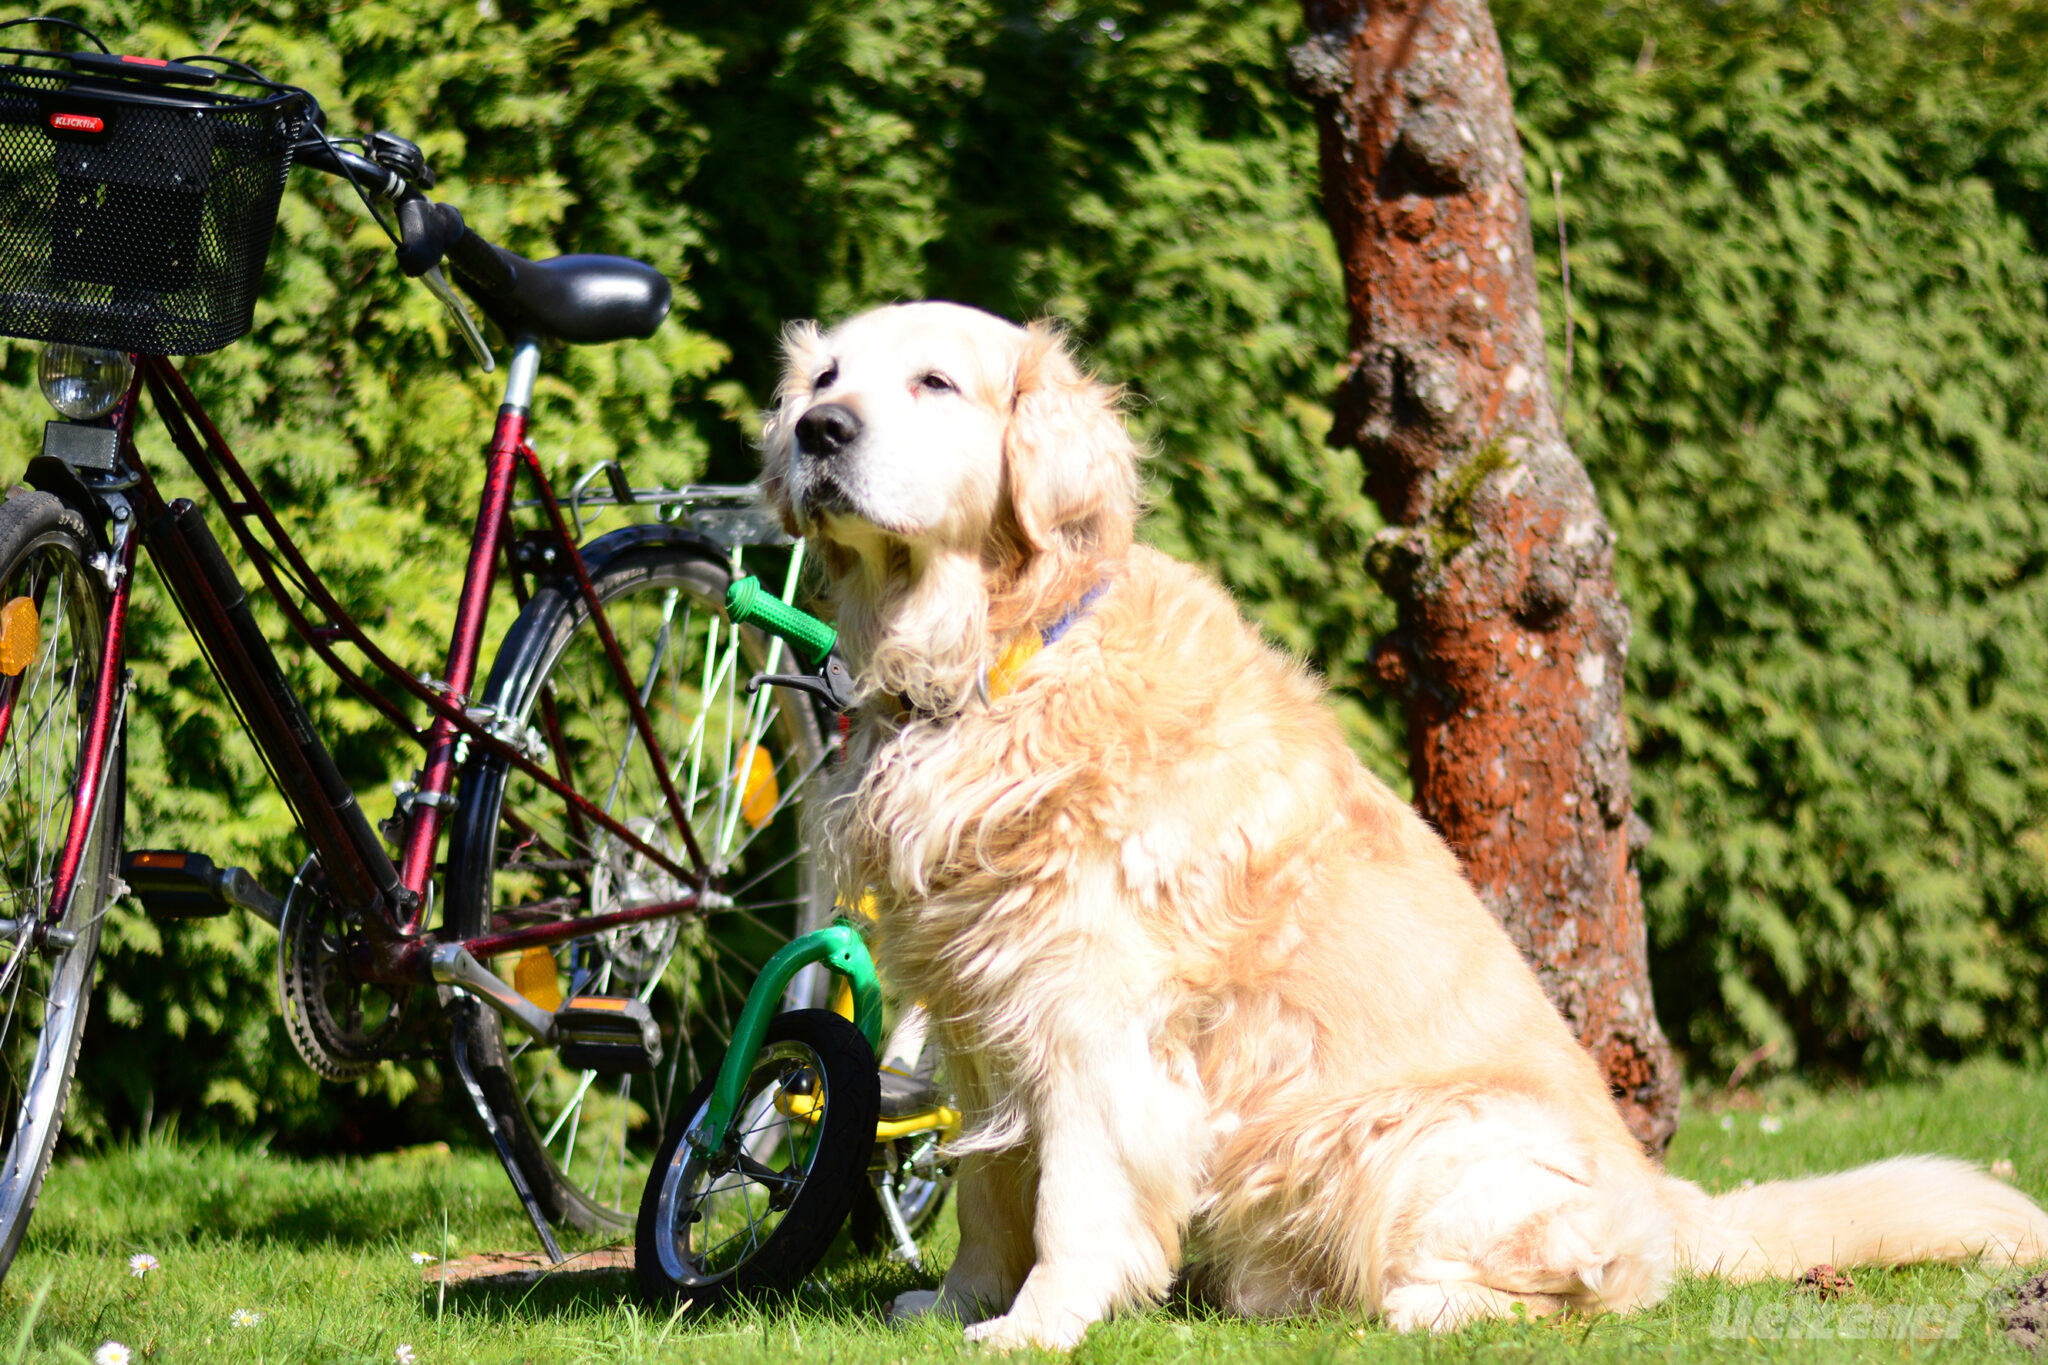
{"points": [[1810, 287]]}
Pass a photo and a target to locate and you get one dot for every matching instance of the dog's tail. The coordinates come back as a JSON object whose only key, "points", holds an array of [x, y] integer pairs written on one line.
{"points": [[1911, 1208]]}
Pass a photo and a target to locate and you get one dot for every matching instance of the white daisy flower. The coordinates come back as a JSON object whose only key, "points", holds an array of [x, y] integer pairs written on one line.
{"points": [[140, 1264], [112, 1353], [1727, 1123], [404, 1354], [242, 1317], [421, 1258], [1770, 1123]]}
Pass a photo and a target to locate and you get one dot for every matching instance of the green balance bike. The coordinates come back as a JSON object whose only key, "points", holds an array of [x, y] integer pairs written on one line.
{"points": [[799, 1128]]}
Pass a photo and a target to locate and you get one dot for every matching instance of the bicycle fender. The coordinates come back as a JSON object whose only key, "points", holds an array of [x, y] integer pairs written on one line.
{"points": [[598, 554], [838, 946], [48, 474]]}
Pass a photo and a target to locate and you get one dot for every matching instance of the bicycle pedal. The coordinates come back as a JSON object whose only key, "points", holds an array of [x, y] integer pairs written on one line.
{"points": [[175, 884], [609, 1034]]}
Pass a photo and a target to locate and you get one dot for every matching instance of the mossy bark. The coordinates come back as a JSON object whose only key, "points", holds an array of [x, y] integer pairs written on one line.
{"points": [[1512, 638]]}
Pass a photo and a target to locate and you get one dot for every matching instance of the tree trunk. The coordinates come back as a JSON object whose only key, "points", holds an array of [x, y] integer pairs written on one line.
{"points": [[1512, 635]]}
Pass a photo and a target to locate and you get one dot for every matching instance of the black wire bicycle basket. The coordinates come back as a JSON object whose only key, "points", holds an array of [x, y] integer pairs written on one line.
{"points": [[137, 196]]}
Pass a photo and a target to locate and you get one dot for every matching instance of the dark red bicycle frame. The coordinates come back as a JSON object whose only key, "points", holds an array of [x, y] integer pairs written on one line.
{"points": [[398, 922]]}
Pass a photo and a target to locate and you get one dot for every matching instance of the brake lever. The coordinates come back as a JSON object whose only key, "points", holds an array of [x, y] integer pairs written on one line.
{"points": [[831, 684], [442, 290]]}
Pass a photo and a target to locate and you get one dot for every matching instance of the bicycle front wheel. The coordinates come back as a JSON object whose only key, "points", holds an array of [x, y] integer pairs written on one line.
{"points": [[52, 624], [756, 1216], [520, 855]]}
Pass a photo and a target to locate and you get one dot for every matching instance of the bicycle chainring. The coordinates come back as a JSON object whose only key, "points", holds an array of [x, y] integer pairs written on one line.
{"points": [[341, 1026]]}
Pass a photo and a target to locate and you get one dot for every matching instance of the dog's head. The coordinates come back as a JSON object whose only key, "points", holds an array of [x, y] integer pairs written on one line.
{"points": [[962, 477]]}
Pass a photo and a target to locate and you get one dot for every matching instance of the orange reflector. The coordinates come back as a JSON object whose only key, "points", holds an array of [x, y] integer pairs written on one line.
{"points": [[534, 977], [159, 858], [600, 1002], [21, 635], [758, 792]]}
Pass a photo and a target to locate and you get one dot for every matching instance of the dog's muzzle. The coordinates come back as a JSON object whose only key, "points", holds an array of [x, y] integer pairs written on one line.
{"points": [[826, 430]]}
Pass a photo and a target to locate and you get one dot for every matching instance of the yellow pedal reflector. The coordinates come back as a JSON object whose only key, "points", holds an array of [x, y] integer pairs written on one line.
{"points": [[21, 635], [534, 976], [758, 791]]}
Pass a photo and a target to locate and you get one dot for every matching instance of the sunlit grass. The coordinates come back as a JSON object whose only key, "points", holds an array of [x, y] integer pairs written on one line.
{"points": [[318, 1258]]}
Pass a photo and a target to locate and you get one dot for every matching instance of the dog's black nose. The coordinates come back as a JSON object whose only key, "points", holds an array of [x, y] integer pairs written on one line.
{"points": [[826, 430]]}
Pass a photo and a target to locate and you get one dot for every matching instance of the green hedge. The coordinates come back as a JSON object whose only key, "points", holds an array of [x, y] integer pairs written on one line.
{"points": [[1810, 346], [1813, 389]]}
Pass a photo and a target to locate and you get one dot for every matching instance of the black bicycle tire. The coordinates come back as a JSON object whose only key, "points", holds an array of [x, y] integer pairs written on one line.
{"points": [[525, 651], [29, 521], [819, 1208]]}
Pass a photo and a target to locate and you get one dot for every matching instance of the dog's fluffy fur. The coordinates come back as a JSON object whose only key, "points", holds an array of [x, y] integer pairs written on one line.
{"points": [[1217, 1001]]}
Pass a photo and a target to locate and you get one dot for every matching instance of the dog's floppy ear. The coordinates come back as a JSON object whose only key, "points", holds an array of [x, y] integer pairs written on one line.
{"points": [[802, 343], [1069, 462]]}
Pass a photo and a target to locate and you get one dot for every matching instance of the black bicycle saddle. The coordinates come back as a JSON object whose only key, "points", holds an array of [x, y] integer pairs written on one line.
{"points": [[583, 300]]}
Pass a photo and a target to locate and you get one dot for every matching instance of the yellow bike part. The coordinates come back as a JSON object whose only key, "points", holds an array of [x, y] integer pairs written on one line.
{"points": [[21, 634], [942, 1119]]}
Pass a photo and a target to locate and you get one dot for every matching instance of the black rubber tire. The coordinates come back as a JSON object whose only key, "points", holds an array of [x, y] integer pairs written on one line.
{"points": [[834, 1175], [553, 637], [41, 535]]}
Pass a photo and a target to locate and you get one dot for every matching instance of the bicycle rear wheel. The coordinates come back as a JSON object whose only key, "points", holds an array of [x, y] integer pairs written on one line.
{"points": [[520, 855], [53, 607]]}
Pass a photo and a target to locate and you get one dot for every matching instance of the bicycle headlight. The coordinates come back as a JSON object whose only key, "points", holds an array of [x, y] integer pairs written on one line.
{"points": [[83, 382]]}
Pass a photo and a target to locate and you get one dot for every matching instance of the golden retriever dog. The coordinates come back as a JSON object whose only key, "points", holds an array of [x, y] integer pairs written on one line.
{"points": [[1217, 1002]]}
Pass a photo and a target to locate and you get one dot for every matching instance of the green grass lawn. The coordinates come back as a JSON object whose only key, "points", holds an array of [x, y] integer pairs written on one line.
{"points": [[323, 1250]]}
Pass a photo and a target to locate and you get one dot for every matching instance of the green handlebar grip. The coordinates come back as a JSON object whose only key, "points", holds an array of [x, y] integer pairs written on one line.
{"points": [[750, 604]]}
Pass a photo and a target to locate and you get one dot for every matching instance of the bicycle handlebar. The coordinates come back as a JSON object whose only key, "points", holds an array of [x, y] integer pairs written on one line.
{"points": [[367, 175], [749, 603], [428, 232]]}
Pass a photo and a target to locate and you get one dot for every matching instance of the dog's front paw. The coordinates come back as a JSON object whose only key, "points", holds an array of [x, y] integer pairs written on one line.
{"points": [[1016, 1331], [912, 1303]]}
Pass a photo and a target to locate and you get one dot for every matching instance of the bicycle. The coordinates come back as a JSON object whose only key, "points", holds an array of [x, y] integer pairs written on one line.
{"points": [[620, 819], [763, 1163]]}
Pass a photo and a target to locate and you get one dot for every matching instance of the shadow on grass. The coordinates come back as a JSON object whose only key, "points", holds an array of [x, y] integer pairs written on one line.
{"points": [[848, 1290]]}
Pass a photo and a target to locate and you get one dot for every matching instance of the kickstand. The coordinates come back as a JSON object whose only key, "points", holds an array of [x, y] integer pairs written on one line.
{"points": [[885, 1192], [483, 1111]]}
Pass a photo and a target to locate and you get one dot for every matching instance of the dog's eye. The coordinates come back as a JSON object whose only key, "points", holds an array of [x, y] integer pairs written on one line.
{"points": [[934, 382], [827, 377]]}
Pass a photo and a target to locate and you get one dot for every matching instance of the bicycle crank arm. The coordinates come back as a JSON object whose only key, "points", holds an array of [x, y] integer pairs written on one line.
{"points": [[452, 965]]}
